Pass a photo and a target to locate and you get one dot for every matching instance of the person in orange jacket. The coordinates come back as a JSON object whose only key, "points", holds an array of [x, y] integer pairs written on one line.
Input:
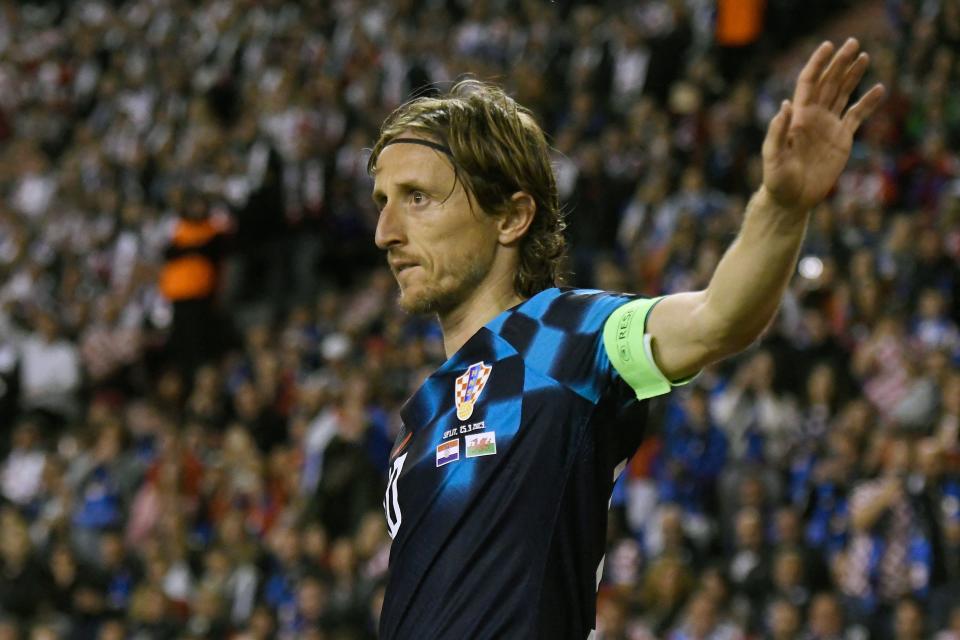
{"points": [[190, 279]]}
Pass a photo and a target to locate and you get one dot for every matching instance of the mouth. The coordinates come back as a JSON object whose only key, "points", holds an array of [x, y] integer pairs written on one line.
{"points": [[400, 267]]}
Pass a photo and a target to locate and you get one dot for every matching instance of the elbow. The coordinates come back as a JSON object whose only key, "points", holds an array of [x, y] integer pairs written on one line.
{"points": [[727, 339], [723, 335], [862, 521], [858, 525], [730, 329], [734, 342]]}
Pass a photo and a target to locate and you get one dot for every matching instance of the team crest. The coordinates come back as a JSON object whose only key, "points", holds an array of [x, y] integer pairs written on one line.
{"points": [[469, 387]]}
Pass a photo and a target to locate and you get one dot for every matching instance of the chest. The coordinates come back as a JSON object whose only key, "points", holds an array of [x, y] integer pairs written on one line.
{"points": [[486, 432]]}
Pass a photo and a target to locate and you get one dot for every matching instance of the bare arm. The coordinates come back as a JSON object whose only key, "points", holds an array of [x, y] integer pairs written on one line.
{"points": [[696, 328], [865, 513], [806, 147]]}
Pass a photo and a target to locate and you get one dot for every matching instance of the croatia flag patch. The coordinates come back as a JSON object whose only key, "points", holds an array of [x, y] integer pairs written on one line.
{"points": [[448, 452]]}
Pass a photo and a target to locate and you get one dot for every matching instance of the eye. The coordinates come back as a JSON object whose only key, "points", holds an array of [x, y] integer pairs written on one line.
{"points": [[418, 197]]}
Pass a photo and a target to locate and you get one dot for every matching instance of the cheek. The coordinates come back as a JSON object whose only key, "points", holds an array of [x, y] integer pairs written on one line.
{"points": [[454, 244], [464, 255]]}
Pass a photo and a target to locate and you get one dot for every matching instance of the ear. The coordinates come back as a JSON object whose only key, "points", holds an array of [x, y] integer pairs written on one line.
{"points": [[514, 222]]}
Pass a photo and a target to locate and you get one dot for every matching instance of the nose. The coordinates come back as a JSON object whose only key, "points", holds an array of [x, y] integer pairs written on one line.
{"points": [[389, 228]]}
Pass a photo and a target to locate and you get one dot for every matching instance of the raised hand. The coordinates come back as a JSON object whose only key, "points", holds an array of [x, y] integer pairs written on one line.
{"points": [[808, 141]]}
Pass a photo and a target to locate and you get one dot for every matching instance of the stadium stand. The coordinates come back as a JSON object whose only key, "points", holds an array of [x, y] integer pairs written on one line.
{"points": [[208, 462]]}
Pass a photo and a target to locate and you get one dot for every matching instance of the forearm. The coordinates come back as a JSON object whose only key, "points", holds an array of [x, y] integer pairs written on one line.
{"points": [[806, 146], [864, 519], [694, 329], [866, 515], [748, 284]]}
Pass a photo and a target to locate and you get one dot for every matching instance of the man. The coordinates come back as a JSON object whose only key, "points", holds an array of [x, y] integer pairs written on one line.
{"points": [[783, 619], [190, 279], [501, 475], [825, 619], [895, 549]]}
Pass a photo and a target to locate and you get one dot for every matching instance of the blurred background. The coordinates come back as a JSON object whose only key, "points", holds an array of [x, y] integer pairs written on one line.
{"points": [[202, 359]]}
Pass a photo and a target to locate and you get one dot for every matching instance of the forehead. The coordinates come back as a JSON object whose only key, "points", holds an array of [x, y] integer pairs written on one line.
{"points": [[407, 162]]}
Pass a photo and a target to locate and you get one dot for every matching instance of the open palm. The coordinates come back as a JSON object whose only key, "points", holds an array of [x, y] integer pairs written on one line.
{"points": [[808, 141]]}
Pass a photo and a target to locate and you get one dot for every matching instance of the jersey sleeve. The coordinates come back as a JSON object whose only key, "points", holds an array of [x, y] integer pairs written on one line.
{"points": [[629, 348], [559, 333]]}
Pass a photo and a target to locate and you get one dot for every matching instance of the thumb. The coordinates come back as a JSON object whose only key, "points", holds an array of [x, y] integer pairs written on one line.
{"points": [[779, 126]]}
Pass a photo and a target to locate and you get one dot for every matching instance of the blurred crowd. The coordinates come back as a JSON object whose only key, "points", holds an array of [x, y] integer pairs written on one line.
{"points": [[201, 356]]}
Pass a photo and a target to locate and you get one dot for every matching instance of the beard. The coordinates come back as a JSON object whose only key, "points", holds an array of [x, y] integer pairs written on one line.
{"points": [[439, 297]]}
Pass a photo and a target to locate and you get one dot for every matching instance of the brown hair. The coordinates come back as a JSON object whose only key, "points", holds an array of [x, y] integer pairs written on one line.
{"points": [[496, 149]]}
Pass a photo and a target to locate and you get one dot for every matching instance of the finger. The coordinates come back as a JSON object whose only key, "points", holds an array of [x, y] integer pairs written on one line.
{"points": [[831, 78], [809, 78], [863, 108], [779, 126], [850, 81]]}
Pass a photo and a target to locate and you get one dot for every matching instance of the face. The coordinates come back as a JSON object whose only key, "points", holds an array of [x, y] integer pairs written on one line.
{"points": [[908, 621], [784, 620], [439, 244], [749, 529], [788, 571], [702, 615], [825, 616], [787, 526], [898, 457]]}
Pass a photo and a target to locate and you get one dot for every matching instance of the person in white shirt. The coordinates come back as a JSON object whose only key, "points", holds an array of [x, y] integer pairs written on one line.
{"points": [[49, 370], [22, 472]]}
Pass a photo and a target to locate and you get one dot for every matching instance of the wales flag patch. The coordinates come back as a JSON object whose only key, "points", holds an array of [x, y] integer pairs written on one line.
{"points": [[481, 444]]}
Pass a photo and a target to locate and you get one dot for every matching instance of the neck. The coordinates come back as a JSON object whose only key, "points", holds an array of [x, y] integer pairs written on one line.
{"points": [[461, 322]]}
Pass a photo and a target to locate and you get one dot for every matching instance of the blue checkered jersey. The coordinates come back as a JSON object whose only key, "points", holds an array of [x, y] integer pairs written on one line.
{"points": [[501, 477]]}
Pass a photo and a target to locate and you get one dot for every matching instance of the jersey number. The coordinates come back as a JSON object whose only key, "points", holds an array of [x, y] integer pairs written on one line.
{"points": [[391, 503]]}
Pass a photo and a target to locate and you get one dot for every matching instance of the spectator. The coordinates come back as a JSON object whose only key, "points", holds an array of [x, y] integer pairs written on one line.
{"points": [[103, 481], [49, 371], [667, 584], [190, 279], [783, 620], [693, 458], [890, 547], [121, 572], [24, 467], [286, 570], [207, 619], [311, 602], [239, 484], [149, 614], [77, 591], [110, 346], [908, 621], [789, 581], [112, 629], [952, 631], [262, 624], [788, 535], [24, 585], [760, 421], [749, 566], [702, 620], [347, 487], [825, 620]]}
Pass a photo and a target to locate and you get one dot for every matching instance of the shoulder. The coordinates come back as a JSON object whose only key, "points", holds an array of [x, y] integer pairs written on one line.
{"points": [[563, 309], [559, 334]]}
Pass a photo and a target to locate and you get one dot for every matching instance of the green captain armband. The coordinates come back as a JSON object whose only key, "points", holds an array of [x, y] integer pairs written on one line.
{"points": [[628, 347]]}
